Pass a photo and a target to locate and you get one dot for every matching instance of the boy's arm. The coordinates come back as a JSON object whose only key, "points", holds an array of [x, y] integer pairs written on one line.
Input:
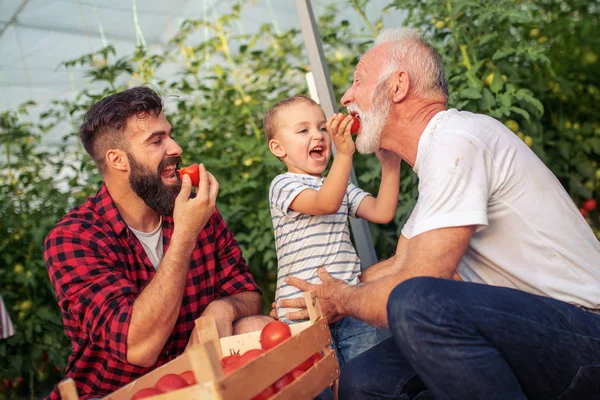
{"points": [[328, 199], [381, 210]]}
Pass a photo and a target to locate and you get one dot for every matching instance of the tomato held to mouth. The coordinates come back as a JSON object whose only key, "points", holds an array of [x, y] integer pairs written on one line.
{"points": [[193, 171], [355, 125]]}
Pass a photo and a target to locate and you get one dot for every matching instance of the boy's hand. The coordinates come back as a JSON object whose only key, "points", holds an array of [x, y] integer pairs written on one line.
{"points": [[339, 126], [388, 158]]}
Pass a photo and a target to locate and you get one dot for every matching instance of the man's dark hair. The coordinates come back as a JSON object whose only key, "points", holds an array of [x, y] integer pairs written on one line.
{"points": [[104, 124]]}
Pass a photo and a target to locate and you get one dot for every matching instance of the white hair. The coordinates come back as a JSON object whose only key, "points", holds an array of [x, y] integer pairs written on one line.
{"points": [[421, 61]]}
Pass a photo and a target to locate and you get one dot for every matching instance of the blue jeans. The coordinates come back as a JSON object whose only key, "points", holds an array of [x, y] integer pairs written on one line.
{"points": [[458, 340], [352, 337]]}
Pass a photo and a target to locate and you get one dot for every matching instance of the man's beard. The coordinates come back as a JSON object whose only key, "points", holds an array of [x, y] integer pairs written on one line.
{"points": [[373, 121], [148, 185]]}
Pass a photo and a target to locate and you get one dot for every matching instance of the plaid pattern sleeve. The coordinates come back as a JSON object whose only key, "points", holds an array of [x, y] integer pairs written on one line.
{"points": [[95, 296], [232, 274]]}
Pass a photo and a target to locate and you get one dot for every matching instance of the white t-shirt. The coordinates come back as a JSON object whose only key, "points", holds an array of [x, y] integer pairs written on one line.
{"points": [[530, 235], [152, 243], [306, 242]]}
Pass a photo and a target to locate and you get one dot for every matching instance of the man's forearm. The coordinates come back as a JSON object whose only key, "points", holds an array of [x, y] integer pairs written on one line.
{"points": [[157, 308], [379, 270], [240, 305]]}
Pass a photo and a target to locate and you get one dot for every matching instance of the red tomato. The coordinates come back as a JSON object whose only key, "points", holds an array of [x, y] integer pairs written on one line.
{"points": [[250, 355], [305, 364], [230, 359], [355, 125], [583, 212], [589, 205], [189, 377], [145, 393], [232, 366], [317, 357], [170, 382], [7, 383], [193, 171], [297, 373], [265, 394], [274, 333], [283, 382]]}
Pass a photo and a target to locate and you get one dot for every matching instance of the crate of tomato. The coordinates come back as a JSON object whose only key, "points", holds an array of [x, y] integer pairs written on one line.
{"points": [[279, 362]]}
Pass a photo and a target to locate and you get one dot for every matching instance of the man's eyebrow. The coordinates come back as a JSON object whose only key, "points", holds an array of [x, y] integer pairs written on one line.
{"points": [[154, 135]]}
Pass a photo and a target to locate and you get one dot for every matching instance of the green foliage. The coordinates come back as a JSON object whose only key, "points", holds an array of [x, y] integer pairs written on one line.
{"points": [[532, 65]]}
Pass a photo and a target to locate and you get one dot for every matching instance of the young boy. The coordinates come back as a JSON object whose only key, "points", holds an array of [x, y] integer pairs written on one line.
{"points": [[310, 213]]}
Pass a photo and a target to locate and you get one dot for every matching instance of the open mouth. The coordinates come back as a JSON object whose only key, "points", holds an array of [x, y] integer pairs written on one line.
{"points": [[317, 153], [169, 174]]}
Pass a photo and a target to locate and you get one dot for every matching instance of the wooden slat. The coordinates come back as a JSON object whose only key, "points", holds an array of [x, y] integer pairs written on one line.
{"points": [[313, 381], [206, 331], [313, 306]]}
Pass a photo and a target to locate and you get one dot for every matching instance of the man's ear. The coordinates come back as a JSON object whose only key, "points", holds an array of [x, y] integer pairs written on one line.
{"points": [[400, 84], [277, 148], [117, 159]]}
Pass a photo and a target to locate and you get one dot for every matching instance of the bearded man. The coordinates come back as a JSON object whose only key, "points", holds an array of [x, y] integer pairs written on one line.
{"points": [[524, 320], [137, 263]]}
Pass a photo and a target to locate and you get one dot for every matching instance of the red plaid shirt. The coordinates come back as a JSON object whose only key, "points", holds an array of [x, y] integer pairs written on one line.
{"points": [[98, 266]]}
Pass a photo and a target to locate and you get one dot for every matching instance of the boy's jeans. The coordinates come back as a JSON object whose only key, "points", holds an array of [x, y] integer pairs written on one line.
{"points": [[458, 340], [352, 337]]}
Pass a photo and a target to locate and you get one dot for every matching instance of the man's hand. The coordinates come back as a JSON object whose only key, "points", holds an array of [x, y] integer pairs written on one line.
{"points": [[339, 126], [190, 215], [326, 292]]}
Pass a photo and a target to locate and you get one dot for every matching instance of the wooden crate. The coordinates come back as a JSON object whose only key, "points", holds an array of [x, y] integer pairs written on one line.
{"points": [[307, 339]]}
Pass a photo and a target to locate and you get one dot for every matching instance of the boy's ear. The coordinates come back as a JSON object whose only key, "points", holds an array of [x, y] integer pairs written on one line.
{"points": [[276, 148]]}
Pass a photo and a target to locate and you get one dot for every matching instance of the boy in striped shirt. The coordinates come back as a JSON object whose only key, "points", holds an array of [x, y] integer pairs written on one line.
{"points": [[310, 212]]}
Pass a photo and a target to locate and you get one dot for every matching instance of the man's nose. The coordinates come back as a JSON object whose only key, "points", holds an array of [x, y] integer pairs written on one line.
{"points": [[347, 97], [174, 149]]}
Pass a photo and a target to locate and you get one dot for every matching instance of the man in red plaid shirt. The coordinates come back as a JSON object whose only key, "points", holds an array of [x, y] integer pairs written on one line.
{"points": [[137, 263]]}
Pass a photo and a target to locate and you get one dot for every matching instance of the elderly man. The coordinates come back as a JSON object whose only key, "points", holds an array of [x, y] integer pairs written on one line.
{"points": [[525, 320], [136, 264]]}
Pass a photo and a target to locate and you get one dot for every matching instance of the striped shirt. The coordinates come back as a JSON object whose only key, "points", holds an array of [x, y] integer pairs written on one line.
{"points": [[306, 242]]}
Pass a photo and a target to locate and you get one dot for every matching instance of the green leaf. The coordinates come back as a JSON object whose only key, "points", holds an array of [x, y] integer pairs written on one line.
{"points": [[487, 100], [503, 53], [520, 112], [497, 83], [470, 93]]}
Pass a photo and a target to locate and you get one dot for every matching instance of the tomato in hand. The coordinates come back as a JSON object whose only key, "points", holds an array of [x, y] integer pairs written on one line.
{"points": [[145, 393], [193, 171], [189, 377], [274, 333], [170, 382], [355, 125]]}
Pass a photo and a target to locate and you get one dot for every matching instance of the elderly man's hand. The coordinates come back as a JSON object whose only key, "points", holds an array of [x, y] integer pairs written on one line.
{"points": [[327, 293]]}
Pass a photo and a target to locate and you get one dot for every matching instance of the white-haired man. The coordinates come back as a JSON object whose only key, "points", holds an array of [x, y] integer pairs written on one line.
{"points": [[524, 322]]}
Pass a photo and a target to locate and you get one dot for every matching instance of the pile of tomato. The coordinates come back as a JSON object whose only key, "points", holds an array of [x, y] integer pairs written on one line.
{"points": [[272, 334]]}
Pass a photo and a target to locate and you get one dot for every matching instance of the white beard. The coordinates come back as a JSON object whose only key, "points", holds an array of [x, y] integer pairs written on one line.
{"points": [[373, 121]]}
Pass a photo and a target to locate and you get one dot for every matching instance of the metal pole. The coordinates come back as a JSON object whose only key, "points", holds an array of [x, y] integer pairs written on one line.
{"points": [[312, 42]]}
